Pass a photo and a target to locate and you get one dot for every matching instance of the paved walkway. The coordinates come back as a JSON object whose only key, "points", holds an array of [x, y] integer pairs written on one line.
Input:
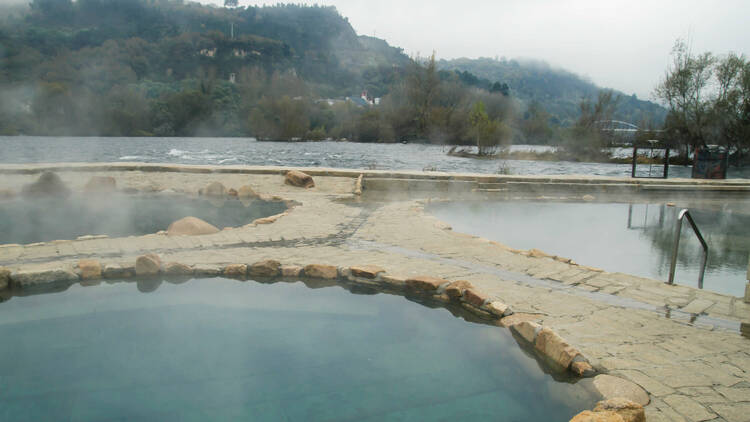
{"points": [[681, 344]]}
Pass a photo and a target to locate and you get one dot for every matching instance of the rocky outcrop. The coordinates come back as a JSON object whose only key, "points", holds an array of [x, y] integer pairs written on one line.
{"points": [[214, 189], [299, 179], [48, 184], [267, 268], [100, 184], [326, 272], [191, 226], [90, 269], [147, 265]]}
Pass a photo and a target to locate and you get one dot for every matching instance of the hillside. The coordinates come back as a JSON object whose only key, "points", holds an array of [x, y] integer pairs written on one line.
{"points": [[558, 91]]}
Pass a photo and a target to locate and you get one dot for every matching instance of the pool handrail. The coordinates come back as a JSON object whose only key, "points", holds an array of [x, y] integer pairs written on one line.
{"points": [[678, 230]]}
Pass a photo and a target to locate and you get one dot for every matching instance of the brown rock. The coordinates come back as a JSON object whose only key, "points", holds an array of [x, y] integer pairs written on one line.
{"points": [[90, 269], [536, 253], [267, 268], [41, 277], [291, 271], [247, 192], [518, 317], [147, 265], [232, 192], [299, 179], [629, 411], [582, 369], [237, 271], [48, 184], [207, 270], [497, 308], [474, 298], [112, 271], [393, 281], [589, 416], [425, 283], [456, 289], [327, 272], [176, 269], [4, 278], [528, 330], [366, 271], [551, 345], [613, 387], [100, 184], [215, 189], [190, 226]]}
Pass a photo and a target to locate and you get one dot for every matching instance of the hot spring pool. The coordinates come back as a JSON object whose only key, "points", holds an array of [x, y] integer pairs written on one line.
{"points": [[44, 219], [617, 237], [226, 350]]}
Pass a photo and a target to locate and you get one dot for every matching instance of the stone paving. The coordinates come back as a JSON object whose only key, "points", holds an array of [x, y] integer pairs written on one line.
{"points": [[680, 344]]}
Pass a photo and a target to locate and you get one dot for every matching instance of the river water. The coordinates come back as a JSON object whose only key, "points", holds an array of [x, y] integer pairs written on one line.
{"points": [[248, 151]]}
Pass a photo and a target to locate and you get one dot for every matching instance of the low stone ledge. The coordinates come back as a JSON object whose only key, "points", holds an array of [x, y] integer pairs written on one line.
{"points": [[498, 309], [207, 270], [393, 281], [425, 283], [32, 278], [474, 298], [366, 271], [326, 272], [528, 330], [147, 265], [114, 271], [4, 278], [267, 268]]}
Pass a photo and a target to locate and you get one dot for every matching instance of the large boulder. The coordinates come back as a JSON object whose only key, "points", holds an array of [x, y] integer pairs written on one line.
{"points": [[48, 184], [555, 348], [214, 189], [326, 272], [90, 269], [101, 184], [247, 192], [629, 411], [147, 265], [299, 179], [190, 226], [267, 268]]}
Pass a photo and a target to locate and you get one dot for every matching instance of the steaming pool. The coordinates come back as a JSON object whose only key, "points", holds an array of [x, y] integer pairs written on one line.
{"points": [[30, 220], [633, 238], [224, 350]]}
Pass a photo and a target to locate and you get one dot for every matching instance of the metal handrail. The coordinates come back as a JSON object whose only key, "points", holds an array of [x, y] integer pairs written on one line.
{"points": [[678, 230]]}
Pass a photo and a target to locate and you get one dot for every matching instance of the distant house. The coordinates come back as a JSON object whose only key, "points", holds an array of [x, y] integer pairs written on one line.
{"points": [[208, 52], [364, 100]]}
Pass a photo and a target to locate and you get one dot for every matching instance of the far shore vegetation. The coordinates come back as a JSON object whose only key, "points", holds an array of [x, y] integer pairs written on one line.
{"points": [[301, 73]]}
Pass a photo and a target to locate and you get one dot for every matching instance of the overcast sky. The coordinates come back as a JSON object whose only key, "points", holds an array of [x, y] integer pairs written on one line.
{"points": [[618, 44]]}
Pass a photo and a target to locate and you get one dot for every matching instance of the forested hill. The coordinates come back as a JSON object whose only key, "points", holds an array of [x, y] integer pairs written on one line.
{"points": [[557, 91]]}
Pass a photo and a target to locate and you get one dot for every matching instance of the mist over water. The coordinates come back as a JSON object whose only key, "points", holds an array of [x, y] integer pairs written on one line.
{"points": [[247, 151]]}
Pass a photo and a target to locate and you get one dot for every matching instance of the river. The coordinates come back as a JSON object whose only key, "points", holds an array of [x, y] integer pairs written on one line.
{"points": [[248, 151]]}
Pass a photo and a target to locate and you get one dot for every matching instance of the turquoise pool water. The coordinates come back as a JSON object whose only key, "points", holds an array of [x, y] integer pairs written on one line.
{"points": [[43, 219], [226, 350], [617, 237]]}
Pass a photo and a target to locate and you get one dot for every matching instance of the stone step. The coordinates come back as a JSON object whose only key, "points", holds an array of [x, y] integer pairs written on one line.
{"points": [[500, 185]]}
